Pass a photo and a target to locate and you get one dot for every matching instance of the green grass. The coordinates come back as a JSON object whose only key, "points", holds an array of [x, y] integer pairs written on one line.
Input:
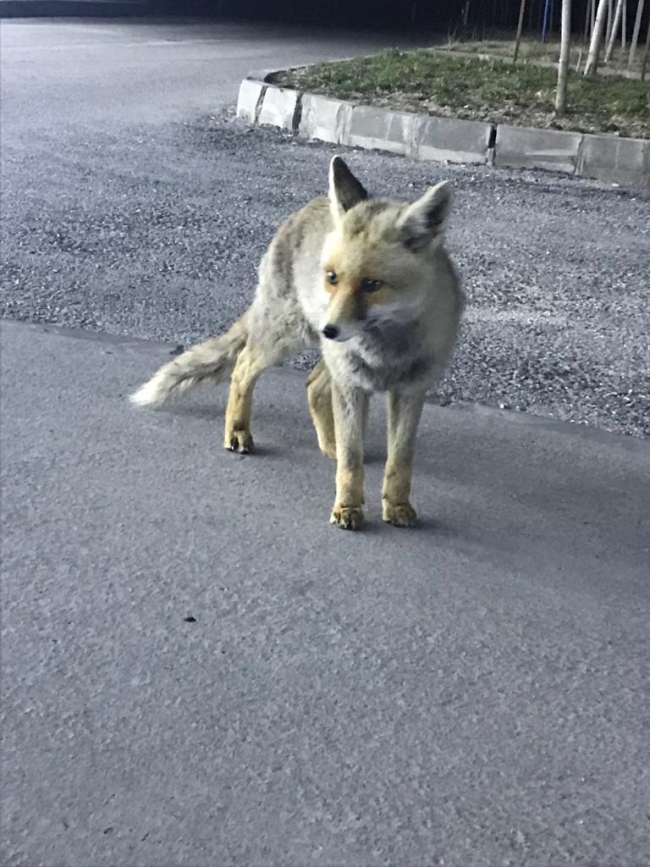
{"points": [[549, 51], [492, 90]]}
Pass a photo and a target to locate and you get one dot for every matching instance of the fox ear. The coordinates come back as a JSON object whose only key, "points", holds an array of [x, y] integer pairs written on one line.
{"points": [[424, 220], [345, 190]]}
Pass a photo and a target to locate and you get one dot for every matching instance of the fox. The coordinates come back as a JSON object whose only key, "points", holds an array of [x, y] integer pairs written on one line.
{"points": [[367, 281]]}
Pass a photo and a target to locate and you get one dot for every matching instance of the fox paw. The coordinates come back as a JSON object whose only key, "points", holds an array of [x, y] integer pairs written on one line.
{"points": [[399, 514], [239, 441], [347, 517]]}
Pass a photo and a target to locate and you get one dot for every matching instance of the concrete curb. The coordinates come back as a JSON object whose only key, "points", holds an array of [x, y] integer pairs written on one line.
{"points": [[443, 139], [526, 148]]}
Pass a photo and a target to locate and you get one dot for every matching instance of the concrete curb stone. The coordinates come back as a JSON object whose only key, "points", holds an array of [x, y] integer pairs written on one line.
{"points": [[446, 139], [380, 129], [324, 118], [623, 160], [279, 107], [443, 139], [249, 101], [525, 148]]}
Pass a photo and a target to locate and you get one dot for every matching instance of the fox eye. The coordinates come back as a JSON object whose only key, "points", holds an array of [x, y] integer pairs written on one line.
{"points": [[331, 277], [370, 285]]}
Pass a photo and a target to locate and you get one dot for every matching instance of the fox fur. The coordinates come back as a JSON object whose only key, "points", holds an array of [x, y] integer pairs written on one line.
{"points": [[370, 283]]}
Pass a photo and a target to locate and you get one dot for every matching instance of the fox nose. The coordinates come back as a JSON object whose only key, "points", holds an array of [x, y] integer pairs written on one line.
{"points": [[331, 332]]}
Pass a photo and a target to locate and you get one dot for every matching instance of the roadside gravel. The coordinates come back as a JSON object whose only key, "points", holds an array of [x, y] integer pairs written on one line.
{"points": [[160, 235]]}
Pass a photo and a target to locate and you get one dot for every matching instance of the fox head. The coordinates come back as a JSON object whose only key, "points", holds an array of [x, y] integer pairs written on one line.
{"points": [[377, 262]]}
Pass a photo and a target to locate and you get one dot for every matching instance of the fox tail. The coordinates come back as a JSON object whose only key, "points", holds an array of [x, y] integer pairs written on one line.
{"points": [[211, 361]]}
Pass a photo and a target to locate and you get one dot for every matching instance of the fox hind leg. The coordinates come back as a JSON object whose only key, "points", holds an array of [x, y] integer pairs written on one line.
{"points": [[250, 364], [254, 359]]}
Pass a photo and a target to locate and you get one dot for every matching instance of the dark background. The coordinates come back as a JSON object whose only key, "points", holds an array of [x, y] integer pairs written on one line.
{"points": [[482, 16]]}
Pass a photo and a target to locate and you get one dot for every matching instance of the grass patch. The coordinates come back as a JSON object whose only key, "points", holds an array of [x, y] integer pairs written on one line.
{"points": [[497, 91], [549, 51]]}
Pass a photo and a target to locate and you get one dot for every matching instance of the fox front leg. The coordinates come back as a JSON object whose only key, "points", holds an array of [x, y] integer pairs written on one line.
{"points": [[349, 406], [404, 411]]}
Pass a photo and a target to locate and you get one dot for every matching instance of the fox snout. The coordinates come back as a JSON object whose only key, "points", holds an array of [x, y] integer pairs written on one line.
{"points": [[344, 315], [341, 331], [331, 332]]}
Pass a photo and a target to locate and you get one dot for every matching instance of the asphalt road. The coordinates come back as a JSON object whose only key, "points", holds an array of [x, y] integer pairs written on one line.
{"points": [[196, 668], [199, 670]]}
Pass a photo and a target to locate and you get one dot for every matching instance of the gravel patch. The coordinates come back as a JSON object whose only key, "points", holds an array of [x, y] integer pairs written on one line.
{"points": [[158, 234]]}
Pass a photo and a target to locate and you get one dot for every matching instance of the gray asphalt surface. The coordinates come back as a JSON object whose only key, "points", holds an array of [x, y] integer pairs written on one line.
{"points": [[134, 205], [198, 670]]}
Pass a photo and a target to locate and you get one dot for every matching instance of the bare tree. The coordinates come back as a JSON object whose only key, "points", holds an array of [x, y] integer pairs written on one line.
{"points": [[635, 32], [610, 20], [612, 35], [646, 51], [588, 16], [520, 27], [565, 51], [596, 39]]}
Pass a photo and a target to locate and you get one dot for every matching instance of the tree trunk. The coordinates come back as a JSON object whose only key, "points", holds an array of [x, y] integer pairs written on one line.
{"points": [[596, 39], [610, 21], [590, 4], [563, 66], [635, 32], [520, 27], [646, 51], [615, 26], [546, 4], [550, 18]]}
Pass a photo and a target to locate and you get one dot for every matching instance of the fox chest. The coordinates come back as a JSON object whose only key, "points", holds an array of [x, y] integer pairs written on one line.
{"points": [[380, 371]]}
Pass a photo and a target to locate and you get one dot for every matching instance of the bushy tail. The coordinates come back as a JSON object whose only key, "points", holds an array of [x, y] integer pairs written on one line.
{"points": [[211, 361]]}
